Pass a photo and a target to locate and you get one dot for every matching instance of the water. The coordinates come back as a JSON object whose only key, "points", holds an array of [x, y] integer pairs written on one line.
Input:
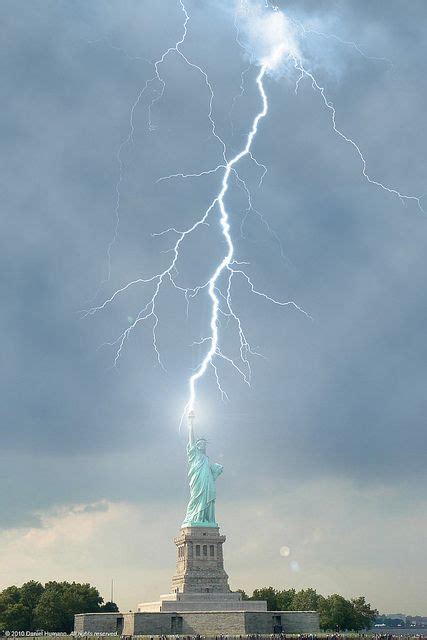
{"points": [[397, 631]]}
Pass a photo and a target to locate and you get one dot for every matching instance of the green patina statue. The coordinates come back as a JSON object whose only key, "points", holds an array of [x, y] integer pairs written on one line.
{"points": [[202, 475]]}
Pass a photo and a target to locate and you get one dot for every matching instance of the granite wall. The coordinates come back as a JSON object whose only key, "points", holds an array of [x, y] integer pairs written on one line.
{"points": [[207, 623]]}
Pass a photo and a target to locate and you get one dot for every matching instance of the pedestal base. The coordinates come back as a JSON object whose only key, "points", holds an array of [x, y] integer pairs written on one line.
{"points": [[231, 601], [209, 624]]}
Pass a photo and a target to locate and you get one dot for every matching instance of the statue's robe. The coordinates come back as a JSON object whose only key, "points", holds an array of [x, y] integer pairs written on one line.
{"points": [[202, 475]]}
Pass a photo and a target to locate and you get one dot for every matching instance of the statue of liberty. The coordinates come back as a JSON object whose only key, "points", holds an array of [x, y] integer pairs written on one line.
{"points": [[202, 475]]}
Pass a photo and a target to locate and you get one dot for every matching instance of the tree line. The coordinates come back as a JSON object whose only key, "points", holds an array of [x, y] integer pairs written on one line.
{"points": [[49, 607], [336, 613]]}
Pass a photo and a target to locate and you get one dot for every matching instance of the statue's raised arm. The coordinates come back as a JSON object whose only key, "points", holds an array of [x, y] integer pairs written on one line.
{"points": [[201, 475]]}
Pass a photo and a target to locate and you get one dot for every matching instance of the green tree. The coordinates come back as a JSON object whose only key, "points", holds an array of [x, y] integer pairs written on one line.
{"points": [[306, 600], [50, 615], [9, 596], [61, 601], [15, 618], [285, 599], [336, 613], [269, 594], [109, 607], [363, 615], [51, 607], [17, 606], [30, 594]]}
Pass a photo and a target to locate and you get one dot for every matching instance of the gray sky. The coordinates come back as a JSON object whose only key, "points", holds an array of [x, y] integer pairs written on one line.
{"points": [[326, 452]]}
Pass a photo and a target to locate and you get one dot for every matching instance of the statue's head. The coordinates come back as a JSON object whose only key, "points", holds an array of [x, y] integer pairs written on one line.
{"points": [[201, 445]]}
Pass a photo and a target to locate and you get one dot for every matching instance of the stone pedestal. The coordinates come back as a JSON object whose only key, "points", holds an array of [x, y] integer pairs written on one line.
{"points": [[200, 582], [200, 562]]}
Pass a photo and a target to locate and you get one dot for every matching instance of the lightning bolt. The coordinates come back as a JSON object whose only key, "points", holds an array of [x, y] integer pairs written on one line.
{"points": [[227, 261], [218, 287], [220, 300], [304, 73], [332, 36], [129, 139]]}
